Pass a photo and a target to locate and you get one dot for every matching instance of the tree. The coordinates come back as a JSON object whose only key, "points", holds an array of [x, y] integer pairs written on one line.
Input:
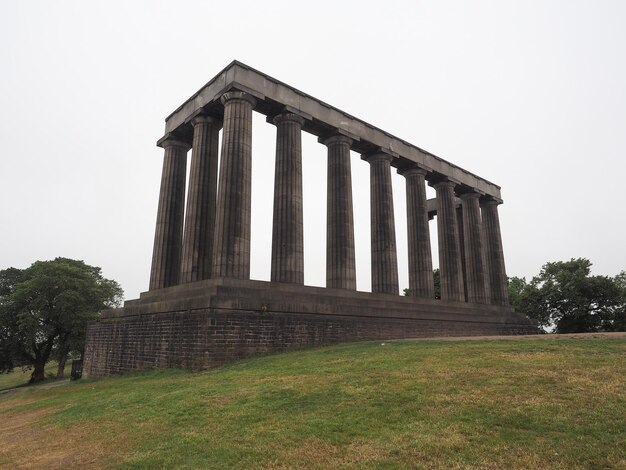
{"points": [[47, 307], [437, 279], [516, 289], [564, 296], [437, 282], [617, 322], [9, 278]]}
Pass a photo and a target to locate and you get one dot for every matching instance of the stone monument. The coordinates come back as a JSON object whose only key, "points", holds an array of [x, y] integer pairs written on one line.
{"points": [[202, 309]]}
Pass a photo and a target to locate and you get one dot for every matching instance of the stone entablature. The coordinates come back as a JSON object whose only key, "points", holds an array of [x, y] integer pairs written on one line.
{"points": [[321, 119]]}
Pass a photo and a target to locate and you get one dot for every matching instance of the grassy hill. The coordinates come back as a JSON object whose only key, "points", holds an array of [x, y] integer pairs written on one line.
{"points": [[549, 403]]}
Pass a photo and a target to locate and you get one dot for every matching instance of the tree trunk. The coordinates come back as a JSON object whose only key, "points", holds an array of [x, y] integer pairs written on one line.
{"points": [[38, 374], [61, 368], [42, 354]]}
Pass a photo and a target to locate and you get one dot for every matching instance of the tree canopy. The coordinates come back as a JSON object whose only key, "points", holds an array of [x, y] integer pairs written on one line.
{"points": [[46, 307], [564, 296]]}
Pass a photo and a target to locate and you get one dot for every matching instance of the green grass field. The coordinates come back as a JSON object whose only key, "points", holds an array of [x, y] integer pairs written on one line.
{"points": [[552, 403]]}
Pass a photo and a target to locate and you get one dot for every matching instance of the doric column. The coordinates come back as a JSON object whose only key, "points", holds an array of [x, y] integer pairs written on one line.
{"points": [[383, 228], [421, 282], [340, 264], [449, 250], [287, 233], [197, 260], [459, 224], [473, 252], [485, 264], [494, 255], [232, 238], [169, 226]]}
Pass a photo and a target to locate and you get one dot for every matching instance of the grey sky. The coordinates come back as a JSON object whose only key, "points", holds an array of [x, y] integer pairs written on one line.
{"points": [[528, 94]]}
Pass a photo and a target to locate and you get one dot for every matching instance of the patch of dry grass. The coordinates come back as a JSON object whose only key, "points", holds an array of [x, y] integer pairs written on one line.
{"points": [[29, 440], [554, 403]]}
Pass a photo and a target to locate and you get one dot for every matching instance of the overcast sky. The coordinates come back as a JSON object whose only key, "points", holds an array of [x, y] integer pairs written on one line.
{"points": [[530, 95]]}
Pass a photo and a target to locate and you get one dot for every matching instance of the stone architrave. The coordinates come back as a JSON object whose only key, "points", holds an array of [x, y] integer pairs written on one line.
{"points": [[288, 233], [168, 235], [450, 268], [421, 283], [383, 231], [232, 238], [197, 258], [494, 255], [340, 257], [473, 248]]}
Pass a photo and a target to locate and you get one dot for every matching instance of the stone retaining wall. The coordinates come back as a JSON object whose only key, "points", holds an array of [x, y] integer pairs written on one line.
{"points": [[150, 333]]}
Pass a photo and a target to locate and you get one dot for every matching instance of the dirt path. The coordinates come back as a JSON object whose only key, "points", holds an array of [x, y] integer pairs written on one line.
{"points": [[25, 388]]}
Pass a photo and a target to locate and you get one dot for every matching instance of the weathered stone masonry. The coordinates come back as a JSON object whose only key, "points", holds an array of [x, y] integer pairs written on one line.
{"points": [[203, 310]]}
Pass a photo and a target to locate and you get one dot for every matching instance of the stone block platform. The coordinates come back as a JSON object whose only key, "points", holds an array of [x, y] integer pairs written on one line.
{"points": [[204, 324]]}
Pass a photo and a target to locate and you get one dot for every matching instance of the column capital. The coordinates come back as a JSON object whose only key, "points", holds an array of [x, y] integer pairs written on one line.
{"points": [[439, 180], [205, 119], [377, 157], [469, 195], [336, 139], [443, 184], [171, 141], [412, 170], [468, 192], [487, 200], [238, 95], [286, 116]]}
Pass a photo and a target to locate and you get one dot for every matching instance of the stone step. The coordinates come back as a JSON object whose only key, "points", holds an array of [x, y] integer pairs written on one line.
{"points": [[276, 298], [342, 309], [357, 299]]}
